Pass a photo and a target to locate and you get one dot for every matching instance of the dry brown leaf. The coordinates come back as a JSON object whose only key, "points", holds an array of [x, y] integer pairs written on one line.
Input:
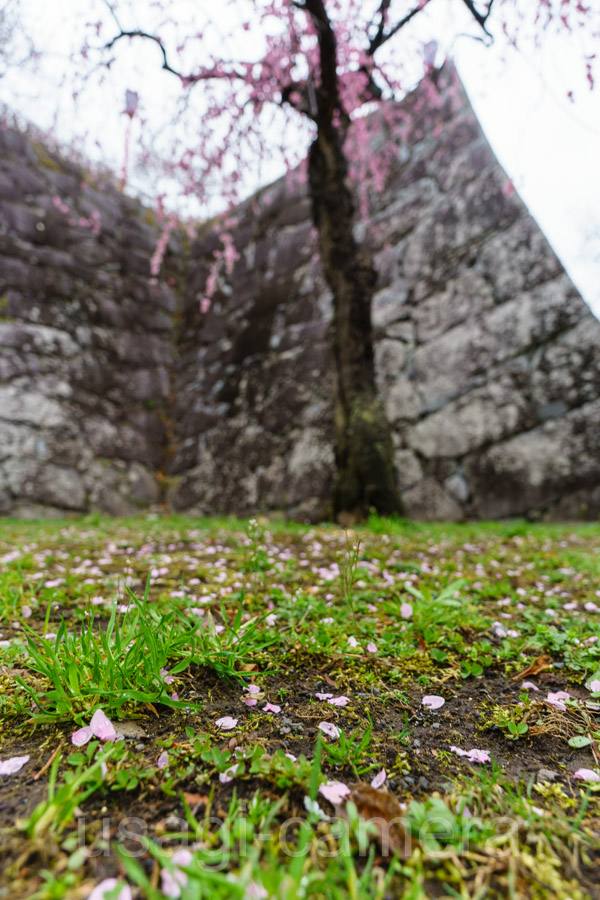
{"points": [[383, 810], [537, 666]]}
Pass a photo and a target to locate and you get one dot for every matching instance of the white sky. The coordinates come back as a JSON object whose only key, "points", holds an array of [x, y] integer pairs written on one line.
{"points": [[549, 146]]}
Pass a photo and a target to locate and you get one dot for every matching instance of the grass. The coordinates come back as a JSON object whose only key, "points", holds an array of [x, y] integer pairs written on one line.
{"points": [[171, 626]]}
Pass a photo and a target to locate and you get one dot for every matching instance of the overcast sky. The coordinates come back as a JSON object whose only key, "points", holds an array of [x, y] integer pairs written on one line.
{"points": [[548, 145]]}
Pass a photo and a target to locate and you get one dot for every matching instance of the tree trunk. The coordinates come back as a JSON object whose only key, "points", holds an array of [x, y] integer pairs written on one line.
{"points": [[364, 452]]}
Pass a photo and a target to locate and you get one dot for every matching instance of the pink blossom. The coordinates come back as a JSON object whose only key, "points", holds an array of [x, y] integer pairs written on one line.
{"points": [[352, 641], [104, 888], [339, 701], [271, 707], [371, 647], [530, 686], [253, 689], [379, 779], [432, 701], [226, 723], [26, 612], [323, 696], [329, 729], [594, 686], [586, 775], [12, 765], [168, 679], [163, 760], [406, 610], [250, 701], [334, 791]]}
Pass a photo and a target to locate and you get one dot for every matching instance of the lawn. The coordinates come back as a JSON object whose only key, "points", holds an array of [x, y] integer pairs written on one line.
{"points": [[228, 709]]}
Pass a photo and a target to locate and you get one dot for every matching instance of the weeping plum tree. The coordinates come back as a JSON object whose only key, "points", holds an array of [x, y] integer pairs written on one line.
{"points": [[325, 62]]}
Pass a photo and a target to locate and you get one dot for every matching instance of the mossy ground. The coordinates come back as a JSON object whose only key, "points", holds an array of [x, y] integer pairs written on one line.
{"points": [[384, 615]]}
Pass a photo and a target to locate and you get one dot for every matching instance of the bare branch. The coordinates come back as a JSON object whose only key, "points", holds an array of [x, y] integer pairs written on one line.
{"points": [[480, 18], [382, 37], [205, 74]]}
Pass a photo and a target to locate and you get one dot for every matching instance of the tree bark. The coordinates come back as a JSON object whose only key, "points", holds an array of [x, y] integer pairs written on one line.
{"points": [[364, 451]]}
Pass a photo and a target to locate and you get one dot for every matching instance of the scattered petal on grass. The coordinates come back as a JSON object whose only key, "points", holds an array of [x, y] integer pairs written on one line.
{"points": [[226, 723], [253, 689], [12, 765], [255, 891], [250, 701], [271, 707], [323, 696], [100, 726], [106, 887], [164, 674], [334, 791], [594, 686], [379, 779], [406, 610], [479, 756], [586, 775], [432, 701], [556, 699], [82, 736], [292, 757], [352, 641], [173, 881], [26, 612], [329, 729], [371, 647], [228, 775], [530, 686], [339, 701], [163, 760]]}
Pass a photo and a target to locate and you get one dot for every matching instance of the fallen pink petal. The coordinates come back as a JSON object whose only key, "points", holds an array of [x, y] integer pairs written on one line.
{"points": [[432, 701], [478, 756], [163, 760], [13, 765], [586, 775], [106, 887], [530, 686], [406, 610], [102, 727], [379, 780], [271, 707], [323, 696], [339, 701], [334, 791], [226, 723], [371, 647], [329, 729], [556, 699], [174, 880], [82, 735]]}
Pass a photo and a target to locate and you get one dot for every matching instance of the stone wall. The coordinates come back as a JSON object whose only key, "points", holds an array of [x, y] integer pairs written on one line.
{"points": [[85, 341], [488, 360]]}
